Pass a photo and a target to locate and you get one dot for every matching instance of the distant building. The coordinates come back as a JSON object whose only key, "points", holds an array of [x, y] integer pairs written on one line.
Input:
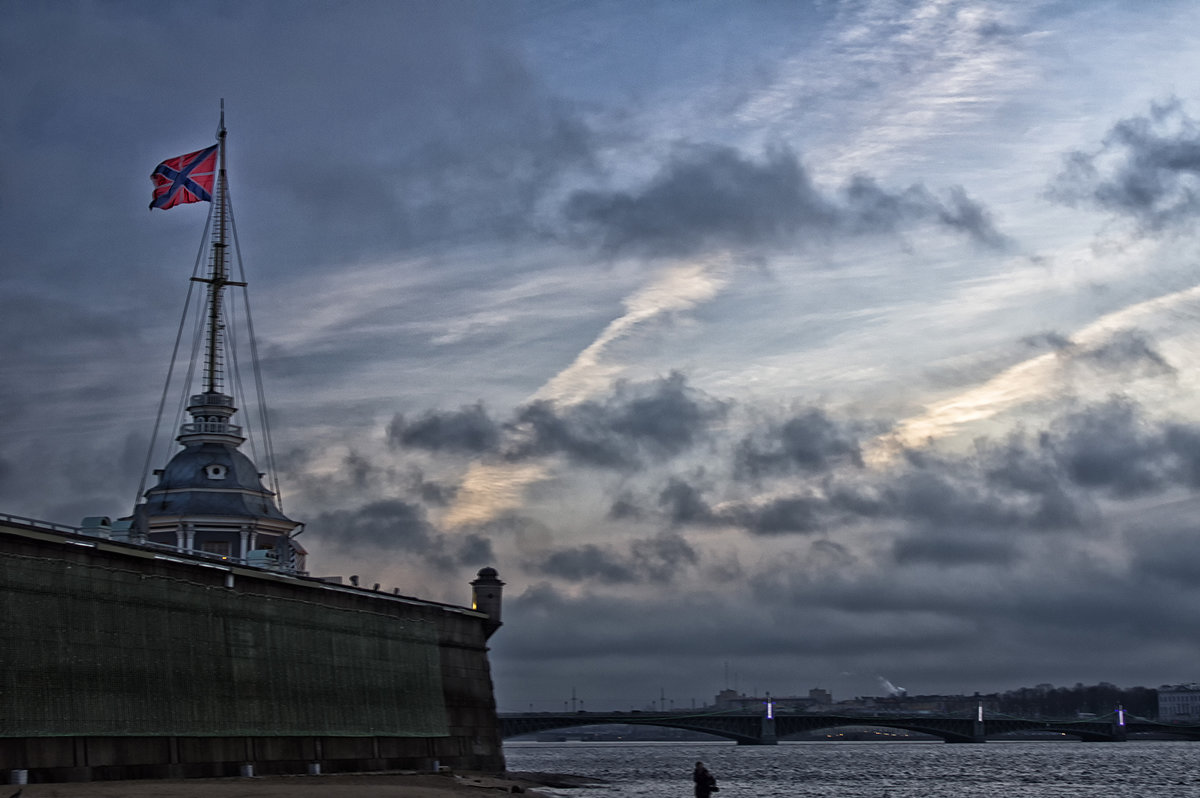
{"points": [[731, 700], [1179, 702]]}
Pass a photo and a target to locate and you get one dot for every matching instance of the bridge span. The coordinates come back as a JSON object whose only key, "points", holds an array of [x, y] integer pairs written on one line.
{"points": [[756, 728]]}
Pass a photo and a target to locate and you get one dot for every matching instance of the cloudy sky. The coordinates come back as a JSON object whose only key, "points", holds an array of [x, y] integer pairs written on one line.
{"points": [[770, 345]]}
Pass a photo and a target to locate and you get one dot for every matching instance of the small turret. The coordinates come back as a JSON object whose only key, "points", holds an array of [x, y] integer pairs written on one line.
{"points": [[485, 597]]}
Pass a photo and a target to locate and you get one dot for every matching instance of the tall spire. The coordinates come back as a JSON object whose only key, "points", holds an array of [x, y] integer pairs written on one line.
{"points": [[212, 409], [210, 497], [218, 272]]}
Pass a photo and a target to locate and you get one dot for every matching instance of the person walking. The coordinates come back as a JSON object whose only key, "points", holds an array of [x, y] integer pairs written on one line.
{"points": [[706, 785]]}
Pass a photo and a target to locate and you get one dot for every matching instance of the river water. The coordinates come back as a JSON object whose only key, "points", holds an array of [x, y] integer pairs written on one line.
{"points": [[874, 769]]}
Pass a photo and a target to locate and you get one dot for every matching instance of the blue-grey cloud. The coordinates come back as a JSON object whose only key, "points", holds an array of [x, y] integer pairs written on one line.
{"points": [[656, 560], [714, 197], [1128, 353], [638, 422], [954, 550], [683, 503], [467, 430], [810, 441], [1026, 483], [394, 525], [1146, 168], [1110, 447], [652, 421], [387, 523]]}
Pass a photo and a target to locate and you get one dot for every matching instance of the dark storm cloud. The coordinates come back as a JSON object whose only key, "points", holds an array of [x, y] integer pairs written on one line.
{"points": [[715, 197], [831, 556], [624, 507], [958, 492], [1147, 168], [654, 420], [1043, 481], [808, 442], [960, 212], [800, 514], [954, 550], [1048, 480], [1027, 483], [654, 560], [869, 209], [1028, 468], [467, 430], [1171, 555], [389, 523], [1111, 447], [1183, 442], [666, 416], [707, 196], [580, 433], [1017, 484], [683, 503], [473, 549], [359, 470], [589, 561], [434, 493], [395, 525], [1024, 482]]}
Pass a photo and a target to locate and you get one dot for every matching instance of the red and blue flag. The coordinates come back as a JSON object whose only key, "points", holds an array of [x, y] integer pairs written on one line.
{"points": [[187, 178]]}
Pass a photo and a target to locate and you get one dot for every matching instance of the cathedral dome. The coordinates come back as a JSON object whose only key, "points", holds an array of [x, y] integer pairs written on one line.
{"points": [[211, 479]]}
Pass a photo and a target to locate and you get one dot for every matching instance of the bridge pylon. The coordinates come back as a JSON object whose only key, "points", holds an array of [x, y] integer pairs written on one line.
{"points": [[978, 733], [767, 736], [1119, 732]]}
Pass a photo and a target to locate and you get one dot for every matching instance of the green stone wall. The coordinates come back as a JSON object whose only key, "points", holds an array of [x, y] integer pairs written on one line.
{"points": [[119, 647]]}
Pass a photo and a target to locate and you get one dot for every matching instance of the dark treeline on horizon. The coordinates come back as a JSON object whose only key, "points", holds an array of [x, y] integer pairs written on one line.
{"points": [[1048, 701], [1096, 699]]}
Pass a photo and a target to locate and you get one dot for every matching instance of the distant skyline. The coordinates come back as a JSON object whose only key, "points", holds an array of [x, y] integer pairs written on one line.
{"points": [[576, 699], [820, 342]]}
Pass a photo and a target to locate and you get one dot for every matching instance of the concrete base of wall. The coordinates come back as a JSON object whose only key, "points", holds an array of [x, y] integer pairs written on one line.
{"points": [[57, 759]]}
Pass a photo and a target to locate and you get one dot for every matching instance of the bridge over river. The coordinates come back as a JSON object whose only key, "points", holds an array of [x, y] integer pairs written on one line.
{"points": [[756, 728]]}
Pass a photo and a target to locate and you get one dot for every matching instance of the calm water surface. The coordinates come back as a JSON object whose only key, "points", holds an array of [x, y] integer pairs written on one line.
{"points": [[875, 769]]}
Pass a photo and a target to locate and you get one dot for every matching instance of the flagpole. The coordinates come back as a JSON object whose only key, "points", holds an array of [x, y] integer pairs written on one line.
{"points": [[218, 282]]}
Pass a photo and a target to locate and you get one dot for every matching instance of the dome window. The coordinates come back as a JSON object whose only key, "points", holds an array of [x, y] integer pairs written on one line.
{"points": [[215, 471]]}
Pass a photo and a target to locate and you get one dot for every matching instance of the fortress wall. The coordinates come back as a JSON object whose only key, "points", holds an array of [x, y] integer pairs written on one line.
{"points": [[118, 661]]}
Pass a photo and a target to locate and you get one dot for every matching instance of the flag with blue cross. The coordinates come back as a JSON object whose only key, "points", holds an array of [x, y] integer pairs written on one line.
{"points": [[186, 178]]}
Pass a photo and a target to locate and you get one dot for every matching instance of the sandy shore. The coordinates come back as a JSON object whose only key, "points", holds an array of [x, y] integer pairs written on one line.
{"points": [[371, 785]]}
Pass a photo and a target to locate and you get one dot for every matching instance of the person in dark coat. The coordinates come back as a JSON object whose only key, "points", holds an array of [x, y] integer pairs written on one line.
{"points": [[706, 785]]}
